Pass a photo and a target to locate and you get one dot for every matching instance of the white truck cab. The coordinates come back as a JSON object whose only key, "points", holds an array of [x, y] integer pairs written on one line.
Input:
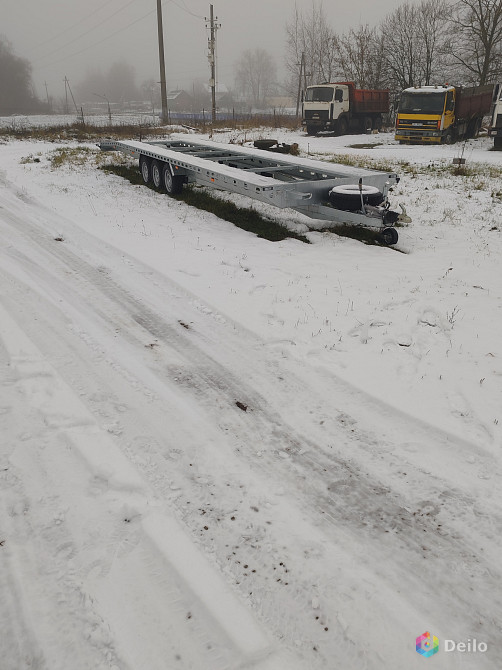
{"points": [[495, 129]]}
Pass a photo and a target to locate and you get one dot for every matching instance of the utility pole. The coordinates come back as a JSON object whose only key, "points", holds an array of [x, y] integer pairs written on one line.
{"points": [[213, 27], [67, 111], [67, 88], [302, 70], [163, 91], [49, 106]]}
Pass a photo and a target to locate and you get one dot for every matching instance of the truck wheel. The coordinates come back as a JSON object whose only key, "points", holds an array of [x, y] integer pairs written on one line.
{"points": [[342, 126], [311, 130], [377, 123], [157, 174], [497, 143], [389, 236], [348, 197], [145, 169], [173, 185], [448, 137], [368, 124]]}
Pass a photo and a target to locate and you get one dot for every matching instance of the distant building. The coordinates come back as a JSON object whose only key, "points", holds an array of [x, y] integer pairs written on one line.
{"points": [[179, 101], [224, 98]]}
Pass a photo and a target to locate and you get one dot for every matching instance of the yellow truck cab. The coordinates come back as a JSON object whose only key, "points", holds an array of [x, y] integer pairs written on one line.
{"points": [[426, 114], [441, 114]]}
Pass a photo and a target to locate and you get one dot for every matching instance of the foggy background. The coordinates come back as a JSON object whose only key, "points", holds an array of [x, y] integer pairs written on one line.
{"points": [[75, 38]]}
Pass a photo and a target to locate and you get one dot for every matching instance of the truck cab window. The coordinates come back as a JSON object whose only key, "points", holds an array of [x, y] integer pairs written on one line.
{"points": [[450, 102], [319, 94], [339, 95]]}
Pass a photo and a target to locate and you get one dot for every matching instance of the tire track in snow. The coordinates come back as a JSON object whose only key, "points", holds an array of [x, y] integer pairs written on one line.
{"points": [[63, 414], [216, 386]]}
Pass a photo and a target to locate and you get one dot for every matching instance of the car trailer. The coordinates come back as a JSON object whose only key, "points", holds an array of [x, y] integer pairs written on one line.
{"points": [[336, 194]]}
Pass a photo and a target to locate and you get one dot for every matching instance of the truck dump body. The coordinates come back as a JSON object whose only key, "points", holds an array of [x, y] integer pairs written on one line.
{"points": [[473, 101], [369, 101]]}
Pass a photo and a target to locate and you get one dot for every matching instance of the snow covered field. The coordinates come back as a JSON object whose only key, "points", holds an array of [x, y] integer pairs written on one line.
{"points": [[220, 452]]}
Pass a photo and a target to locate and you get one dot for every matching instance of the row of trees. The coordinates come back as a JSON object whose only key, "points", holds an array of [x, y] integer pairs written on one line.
{"points": [[16, 89], [423, 43], [430, 41]]}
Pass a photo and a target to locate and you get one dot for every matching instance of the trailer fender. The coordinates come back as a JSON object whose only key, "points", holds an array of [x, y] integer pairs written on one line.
{"points": [[172, 183]]}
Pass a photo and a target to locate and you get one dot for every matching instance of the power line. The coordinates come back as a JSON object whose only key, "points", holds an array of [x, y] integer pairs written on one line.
{"points": [[117, 32], [89, 31], [73, 25], [105, 39], [185, 9]]}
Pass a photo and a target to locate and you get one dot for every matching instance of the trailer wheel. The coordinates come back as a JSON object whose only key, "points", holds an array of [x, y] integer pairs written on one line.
{"points": [[145, 169], [157, 174], [173, 185], [389, 236], [348, 196]]}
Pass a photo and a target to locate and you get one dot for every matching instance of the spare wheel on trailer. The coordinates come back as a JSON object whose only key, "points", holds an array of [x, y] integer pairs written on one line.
{"points": [[348, 196]]}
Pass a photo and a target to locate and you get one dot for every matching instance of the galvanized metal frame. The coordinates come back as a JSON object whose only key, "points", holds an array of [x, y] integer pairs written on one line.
{"points": [[281, 180]]}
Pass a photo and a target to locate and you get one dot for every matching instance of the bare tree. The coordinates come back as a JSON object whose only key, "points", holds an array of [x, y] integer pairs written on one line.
{"points": [[310, 35], [361, 57], [17, 95], [115, 85], [255, 76], [416, 43], [477, 47], [433, 26], [403, 47]]}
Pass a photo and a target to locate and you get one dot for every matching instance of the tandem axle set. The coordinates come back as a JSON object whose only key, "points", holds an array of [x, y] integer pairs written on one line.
{"points": [[335, 194]]}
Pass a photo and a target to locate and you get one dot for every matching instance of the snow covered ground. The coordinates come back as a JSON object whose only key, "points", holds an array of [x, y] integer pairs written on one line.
{"points": [[220, 452]]}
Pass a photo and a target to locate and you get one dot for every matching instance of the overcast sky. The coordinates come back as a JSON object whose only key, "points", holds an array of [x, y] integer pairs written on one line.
{"points": [[68, 37]]}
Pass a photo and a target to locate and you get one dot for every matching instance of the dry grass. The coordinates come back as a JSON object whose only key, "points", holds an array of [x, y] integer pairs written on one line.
{"points": [[87, 132]]}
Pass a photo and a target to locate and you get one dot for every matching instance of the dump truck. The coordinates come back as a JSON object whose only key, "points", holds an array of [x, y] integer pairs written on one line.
{"points": [[495, 128], [341, 107], [441, 114]]}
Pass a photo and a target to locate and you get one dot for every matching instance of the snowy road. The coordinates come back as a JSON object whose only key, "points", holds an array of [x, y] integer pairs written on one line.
{"points": [[181, 491]]}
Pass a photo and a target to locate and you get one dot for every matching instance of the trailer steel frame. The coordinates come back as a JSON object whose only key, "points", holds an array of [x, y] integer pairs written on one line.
{"points": [[287, 181]]}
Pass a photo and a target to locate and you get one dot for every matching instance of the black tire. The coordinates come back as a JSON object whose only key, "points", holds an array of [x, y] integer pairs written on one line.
{"points": [[378, 123], [368, 124], [497, 143], [342, 126], [145, 167], [311, 130], [348, 197], [265, 144], [389, 236], [157, 177], [172, 184], [448, 137]]}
